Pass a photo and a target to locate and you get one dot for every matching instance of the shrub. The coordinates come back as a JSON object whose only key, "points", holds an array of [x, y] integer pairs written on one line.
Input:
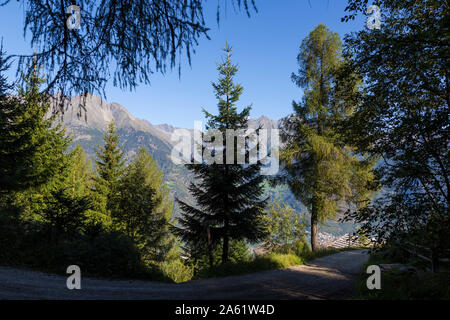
{"points": [[107, 254], [177, 271], [299, 247], [396, 285]]}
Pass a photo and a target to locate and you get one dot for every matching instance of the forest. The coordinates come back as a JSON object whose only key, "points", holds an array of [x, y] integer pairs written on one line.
{"points": [[367, 142]]}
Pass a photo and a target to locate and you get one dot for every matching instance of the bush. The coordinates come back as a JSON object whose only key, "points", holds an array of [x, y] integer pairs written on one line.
{"points": [[12, 234], [177, 271], [238, 252], [108, 254], [300, 248], [396, 285]]}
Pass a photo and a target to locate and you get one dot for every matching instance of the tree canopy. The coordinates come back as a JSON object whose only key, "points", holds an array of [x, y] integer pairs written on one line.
{"points": [[32, 145], [229, 195], [321, 170], [126, 41], [403, 118]]}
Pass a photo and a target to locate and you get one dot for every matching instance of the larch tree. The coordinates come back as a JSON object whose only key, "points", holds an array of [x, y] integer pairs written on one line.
{"points": [[142, 208], [228, 195], [137, 38], [321, 170], [80, 172]]}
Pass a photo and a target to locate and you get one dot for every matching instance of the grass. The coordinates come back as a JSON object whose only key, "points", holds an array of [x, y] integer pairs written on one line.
{"points": [[267, 262], [271, 261], [396, 285], [322, 252]]}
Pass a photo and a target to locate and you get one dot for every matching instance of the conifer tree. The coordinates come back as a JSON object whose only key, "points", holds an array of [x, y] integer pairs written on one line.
{"points": [[321, 171], [110, 166], [80, 175], [5, 87], [229, 202], [142, 207], [32, 146], [77, 181]]}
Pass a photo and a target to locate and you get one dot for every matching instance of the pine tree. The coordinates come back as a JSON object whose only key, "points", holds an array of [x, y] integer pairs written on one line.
{"points": [[228, 196], [321, 171], [142, 207], [32, 146], [110, 166]]}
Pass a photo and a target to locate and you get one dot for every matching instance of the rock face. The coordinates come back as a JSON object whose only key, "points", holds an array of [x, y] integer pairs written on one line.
{"points": [[97, 113], [86, 120]]}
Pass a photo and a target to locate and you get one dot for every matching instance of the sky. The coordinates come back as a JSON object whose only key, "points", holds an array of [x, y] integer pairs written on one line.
{"points": [[265, 47]]}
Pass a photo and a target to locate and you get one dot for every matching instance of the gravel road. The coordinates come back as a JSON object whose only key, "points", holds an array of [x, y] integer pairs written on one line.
{"points": [[330, 277]]}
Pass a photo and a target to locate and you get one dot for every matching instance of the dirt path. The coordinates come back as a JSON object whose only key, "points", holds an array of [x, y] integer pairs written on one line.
{"points": [[330, 277]]}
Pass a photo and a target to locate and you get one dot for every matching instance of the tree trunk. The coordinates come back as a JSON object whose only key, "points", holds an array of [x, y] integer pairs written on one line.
{"points": [[210, 247], [225, 245], [314, 227], [434, 261]]}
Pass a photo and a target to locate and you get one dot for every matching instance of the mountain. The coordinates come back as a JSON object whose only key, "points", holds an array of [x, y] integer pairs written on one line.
{"points": [[87, 126]]}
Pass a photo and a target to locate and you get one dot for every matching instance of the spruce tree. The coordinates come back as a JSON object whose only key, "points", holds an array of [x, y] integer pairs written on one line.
{"points": [[32, 146], [110, 166], [324, 173], [5, 87], [229, 202]]}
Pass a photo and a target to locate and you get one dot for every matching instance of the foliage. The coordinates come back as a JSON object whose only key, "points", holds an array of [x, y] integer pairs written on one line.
{"points": [[138, 38], [110, 166], [268, 262], [239, 252], [64, 213], [403, 118], [79, 181], [5, 87], [31, 145], [177, 271], [285, 226], [108, 254], [139, 211], [47, 217], [396, 285], [320, 169], [228, 195]]}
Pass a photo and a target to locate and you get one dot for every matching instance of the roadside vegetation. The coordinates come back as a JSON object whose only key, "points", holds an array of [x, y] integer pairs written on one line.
{"points": [[271, 261], [418, 283]]}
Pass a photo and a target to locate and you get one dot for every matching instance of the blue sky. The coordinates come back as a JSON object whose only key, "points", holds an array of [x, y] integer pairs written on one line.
{"points": [[265, 48]]}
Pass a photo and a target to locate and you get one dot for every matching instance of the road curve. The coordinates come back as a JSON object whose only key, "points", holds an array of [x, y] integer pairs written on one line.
{"points": [[330, 277]]}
